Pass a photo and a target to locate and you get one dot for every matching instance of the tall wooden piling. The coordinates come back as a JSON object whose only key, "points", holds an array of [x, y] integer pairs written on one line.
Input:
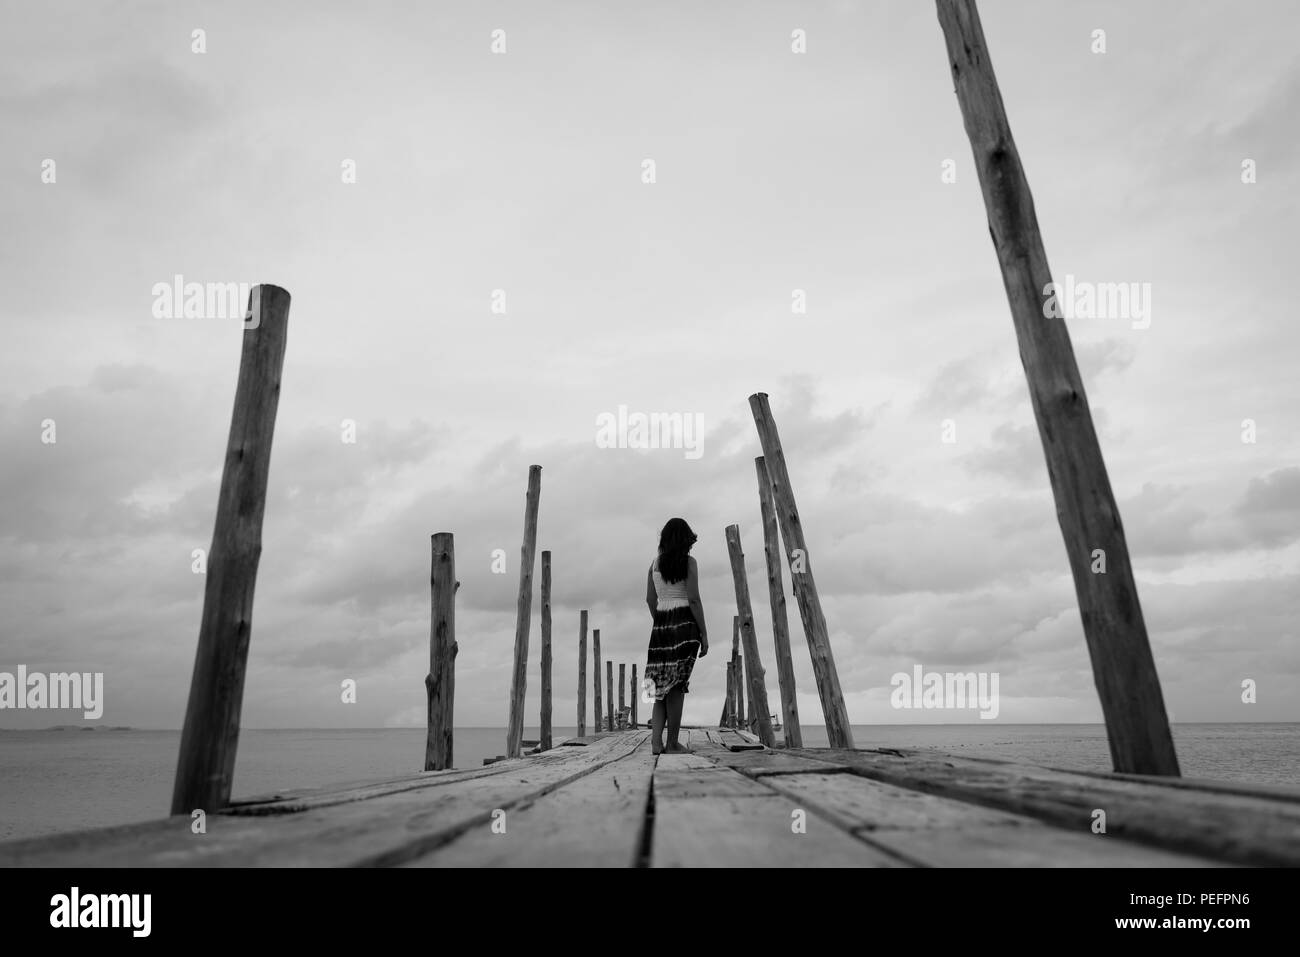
{"points": [[622, 684], [582, 673], [737, 676], [595, 674], [544, 743], [635, 692], [205, 767], [609, 695], [761, 716], [838, 732], [776, 598], [440, 683], [1122, 664], [725, 720], [523, 613]]}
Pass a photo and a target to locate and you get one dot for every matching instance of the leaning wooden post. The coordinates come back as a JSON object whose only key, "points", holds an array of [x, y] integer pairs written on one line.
{"points": [[622, 683], [737, 675], [776, 598], [544, 744], [1122, 664], [726, 701], [635, 692], [523, 614], [210, 737], [758, 709], [609, 695], [595, 674], [582, 673], [440, 684], [838, 732]]}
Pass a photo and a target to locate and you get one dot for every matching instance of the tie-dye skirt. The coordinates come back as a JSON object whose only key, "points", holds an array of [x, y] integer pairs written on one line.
{"points": [[674, 645]]}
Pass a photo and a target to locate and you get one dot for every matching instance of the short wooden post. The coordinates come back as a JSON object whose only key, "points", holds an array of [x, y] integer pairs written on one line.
{"points": [[523, 613], [1122, 664], [776, 598], [595, 674], [582, 673], [440, 684], [723, 721], [760, 715], [737, 676], [838, 732], [622, 684], [635, 692], [609, 695], [545, 743], [210, 736]]}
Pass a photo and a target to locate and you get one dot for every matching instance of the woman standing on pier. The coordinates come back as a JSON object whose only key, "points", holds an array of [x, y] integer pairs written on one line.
{"points": [[679, 632]]}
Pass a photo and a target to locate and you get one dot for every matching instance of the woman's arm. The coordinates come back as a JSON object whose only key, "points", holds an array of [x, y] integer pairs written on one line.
{"points": [[697, 606], [651, 599]]}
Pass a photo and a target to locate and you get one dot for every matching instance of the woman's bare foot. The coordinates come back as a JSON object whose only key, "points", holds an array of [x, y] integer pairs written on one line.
{"points": [[656, 747], [677, 749]]}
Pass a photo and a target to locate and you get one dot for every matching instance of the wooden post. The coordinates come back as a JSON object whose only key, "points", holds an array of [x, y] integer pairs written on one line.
{"points": [[595, 674], [622, 683], [1122, 664], [776, 598], [609, 695], [737, 674], [582, 673], [440, 684], [726, 702], [760, 716], [635, 692], [210, 737], [523, 613], [545, 743], [750, 710], [838, 732]]}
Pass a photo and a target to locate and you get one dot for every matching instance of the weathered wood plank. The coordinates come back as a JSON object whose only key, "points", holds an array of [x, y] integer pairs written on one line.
{"points": [[1122, 664], [386, 830], [1229, 827], [719, 830], [708, 781], [595, 821]]}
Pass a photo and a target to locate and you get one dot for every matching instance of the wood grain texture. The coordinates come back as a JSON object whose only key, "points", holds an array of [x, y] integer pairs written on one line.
{"points": [[595, 681], [776, 600], [440, 683], [838, 731], [544, 741], [210, 735], [755, 677], [596, 821], [1122, 664], [582, 673], [1226, 827], [523, 614], [609, 695]]}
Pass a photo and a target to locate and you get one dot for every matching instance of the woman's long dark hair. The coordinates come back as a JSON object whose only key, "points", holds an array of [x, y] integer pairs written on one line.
{"points": [[675, 543]]}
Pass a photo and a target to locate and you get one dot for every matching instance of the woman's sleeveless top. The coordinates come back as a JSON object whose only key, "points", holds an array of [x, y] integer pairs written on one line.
{"points": [[669, 594]]}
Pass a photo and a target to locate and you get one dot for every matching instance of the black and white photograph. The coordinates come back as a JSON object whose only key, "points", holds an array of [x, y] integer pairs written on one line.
{"points": [[516, 434]]}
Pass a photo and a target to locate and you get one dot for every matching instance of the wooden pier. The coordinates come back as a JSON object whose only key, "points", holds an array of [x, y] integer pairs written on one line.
{"points": [[607, 801]]}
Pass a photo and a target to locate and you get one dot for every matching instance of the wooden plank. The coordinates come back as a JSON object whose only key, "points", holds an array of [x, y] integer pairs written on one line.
{"points": [[210, 735], [595, 821], [720, 830], [384, 830], [763, 762], [776, 600], [838, 731], [1122, 664], [755, 677], [523, 613], [440, 684], [1259, 830]]}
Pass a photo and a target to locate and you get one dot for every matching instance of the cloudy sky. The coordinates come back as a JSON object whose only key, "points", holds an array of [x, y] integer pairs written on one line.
{"points": [[522, 172]]}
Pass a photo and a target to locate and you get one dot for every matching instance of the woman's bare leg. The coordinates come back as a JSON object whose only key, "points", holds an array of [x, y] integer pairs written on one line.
{"points": [[675, 700], [657, 717]]}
